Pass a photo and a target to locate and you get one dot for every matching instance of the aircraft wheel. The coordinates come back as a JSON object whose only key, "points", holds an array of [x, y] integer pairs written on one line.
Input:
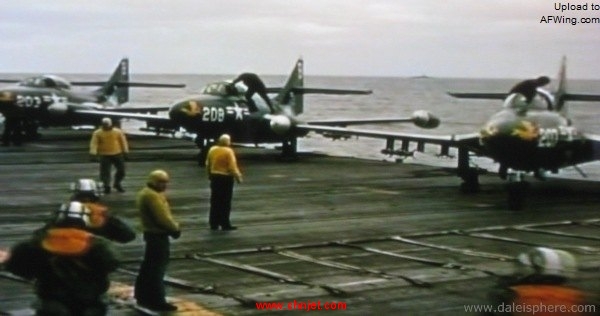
{"points": [[289, 149]]}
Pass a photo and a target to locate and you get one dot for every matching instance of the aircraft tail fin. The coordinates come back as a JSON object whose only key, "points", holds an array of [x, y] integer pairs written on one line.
{"points": [[561, 95], [561, 88], [294, 89], [116, 89], [287, 94]]}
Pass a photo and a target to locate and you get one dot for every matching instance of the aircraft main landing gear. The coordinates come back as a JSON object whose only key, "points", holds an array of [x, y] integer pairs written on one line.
{"points": [[470, 182], [469, 175], [289, 149]]}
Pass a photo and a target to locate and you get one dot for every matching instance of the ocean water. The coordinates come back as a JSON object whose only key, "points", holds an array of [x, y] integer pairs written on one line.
{"points": [[391, 97]]}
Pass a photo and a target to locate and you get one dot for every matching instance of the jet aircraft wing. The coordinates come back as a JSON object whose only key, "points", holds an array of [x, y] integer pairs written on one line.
{"points": [[156, 120], [359, 121], [141, 109], [128, 84], [124, 115], [470, 141]]}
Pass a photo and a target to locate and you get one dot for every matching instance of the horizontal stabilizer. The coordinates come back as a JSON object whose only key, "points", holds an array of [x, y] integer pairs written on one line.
{"points": [[9, 81], [129, 84], [300, 90], [489, 96], [330, 91], [581, 97]]}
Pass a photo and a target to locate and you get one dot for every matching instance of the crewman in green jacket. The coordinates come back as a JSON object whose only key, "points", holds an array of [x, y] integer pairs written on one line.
{"points": [[157, 224]]}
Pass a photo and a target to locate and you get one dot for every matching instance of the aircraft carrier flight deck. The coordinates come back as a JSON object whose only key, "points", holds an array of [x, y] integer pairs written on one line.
{"points": [[364, 237]]}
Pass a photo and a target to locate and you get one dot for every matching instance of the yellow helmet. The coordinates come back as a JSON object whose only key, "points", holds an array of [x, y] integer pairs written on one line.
{"points": [[158, 175]]}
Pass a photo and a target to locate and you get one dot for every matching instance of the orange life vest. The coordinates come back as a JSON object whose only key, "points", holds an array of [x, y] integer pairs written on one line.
{"points": [[547, 300]]}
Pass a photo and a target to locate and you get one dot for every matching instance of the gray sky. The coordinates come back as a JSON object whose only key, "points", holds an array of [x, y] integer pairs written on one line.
{"points": [[452, 38]]}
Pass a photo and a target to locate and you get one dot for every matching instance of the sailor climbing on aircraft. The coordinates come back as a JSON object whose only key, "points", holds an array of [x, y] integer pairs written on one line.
{"points": [[528, 88], [255, 85]]}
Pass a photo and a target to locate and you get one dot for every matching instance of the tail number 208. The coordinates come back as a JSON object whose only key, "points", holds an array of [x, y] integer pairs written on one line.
{"points": [[213, 114]]}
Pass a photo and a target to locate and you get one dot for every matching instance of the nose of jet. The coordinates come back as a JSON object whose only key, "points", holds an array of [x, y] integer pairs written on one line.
{"points": [[6, 96], [184, 110], [516, 130]]}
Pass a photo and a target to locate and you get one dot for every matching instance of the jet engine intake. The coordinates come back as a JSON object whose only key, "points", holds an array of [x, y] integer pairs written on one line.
{"points": [[424, 119], [280, 124]]}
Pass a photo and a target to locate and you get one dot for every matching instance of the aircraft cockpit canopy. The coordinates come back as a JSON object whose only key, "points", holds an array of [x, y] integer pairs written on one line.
{"points": [[47, 81], [542, 101], [220, 89]]}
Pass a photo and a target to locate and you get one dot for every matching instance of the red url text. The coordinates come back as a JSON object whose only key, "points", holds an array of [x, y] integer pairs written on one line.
{"points": [[301, 306]]}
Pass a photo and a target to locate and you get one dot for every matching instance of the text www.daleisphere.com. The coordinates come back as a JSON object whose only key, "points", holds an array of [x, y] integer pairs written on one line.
{"points": [[301, 306], [588, 7], [531, 308]]}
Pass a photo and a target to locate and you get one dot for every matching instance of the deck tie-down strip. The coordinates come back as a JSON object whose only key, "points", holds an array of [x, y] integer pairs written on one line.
{"points": [[431, 262], [348, 267], [268, 274]]}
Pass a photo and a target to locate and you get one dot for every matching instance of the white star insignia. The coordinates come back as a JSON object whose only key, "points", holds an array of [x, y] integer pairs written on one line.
{"points": [[58, 100], [239, 112]]}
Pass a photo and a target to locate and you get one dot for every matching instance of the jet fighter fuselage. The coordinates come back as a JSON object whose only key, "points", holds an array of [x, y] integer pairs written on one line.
{"points": [[532, 136], [218, 110], [47, 106], [50, 100]]}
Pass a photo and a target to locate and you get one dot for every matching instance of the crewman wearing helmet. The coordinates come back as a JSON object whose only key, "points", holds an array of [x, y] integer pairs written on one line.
{"points": [[70, 265], [102, 222], [539, 286], [157, 224]]}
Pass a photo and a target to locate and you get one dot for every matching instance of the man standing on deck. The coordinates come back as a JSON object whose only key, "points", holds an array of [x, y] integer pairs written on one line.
{"points": [[222, 170]]}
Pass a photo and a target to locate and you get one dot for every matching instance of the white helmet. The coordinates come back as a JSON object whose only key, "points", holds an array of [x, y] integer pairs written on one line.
{"points": [[73, 214], [547, 261], [85, 188]]}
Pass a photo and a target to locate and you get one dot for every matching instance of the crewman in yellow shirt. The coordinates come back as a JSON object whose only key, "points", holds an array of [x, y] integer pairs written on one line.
{"points": [[110, 145], [158, 225], [222, 169]]}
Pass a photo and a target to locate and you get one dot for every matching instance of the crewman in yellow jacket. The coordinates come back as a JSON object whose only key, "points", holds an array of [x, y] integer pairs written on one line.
{"points": [[110, 144], [222, 169], [157, 224]]}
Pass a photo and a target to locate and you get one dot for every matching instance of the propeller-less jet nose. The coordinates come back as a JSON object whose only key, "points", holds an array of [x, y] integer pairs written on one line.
{"points": [[6, 96], [513, 142], [521, 130]]}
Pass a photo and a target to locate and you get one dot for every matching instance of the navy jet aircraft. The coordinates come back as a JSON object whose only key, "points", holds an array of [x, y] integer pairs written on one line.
{"points": [[49, 100], [222, 108], [523, 137]]}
